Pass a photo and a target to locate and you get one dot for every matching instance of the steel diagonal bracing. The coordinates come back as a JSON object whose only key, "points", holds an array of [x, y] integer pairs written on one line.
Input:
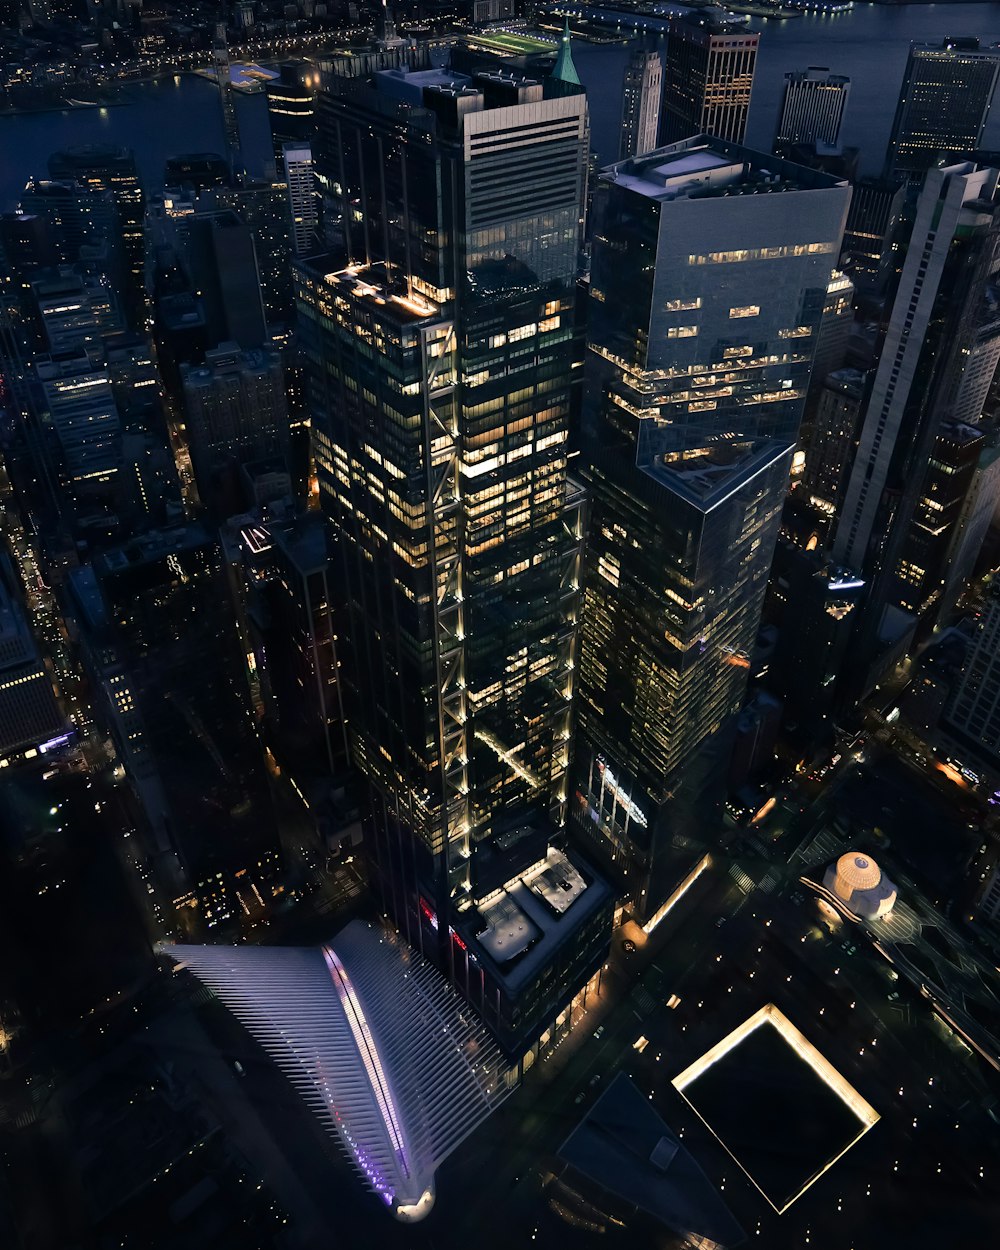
{"points": [[378, 1045], [443, 456]]}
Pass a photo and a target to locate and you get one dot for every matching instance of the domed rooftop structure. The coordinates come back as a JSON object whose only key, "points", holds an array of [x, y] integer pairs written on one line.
{"points": [[858, 871], [858, 882]]}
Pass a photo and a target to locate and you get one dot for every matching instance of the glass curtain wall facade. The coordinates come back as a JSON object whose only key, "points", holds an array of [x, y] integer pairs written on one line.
{"points": [[710, 271], [943, 105], [444, 359], [708, 80]]}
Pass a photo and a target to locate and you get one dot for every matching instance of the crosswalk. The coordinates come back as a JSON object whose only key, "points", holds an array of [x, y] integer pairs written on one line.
{"points": [[745, 882]]}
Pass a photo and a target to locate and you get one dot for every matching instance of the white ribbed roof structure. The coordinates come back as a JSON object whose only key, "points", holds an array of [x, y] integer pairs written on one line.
{"points": [[859, 883], [378, 1044]]}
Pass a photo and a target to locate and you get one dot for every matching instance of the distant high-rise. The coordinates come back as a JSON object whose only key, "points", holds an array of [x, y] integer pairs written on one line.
{"points": [[103, 167], [934, 322], [812, 109], [196, 169], [975, 517], [76, 309], [303, 201], [641, 96], [236, 410], [943, 104], [230, 118], [80, 406], [835, 327], [291, 105], [710, 271], [832, 440], [84, 223], [222, 260], [814, 604], [947, 478], [263, 206], [871, 223], [282, 573], [709, 78], [443, 364]]}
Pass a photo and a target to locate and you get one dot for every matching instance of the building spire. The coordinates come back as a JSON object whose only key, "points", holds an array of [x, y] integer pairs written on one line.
{"points": [[564, 70]]}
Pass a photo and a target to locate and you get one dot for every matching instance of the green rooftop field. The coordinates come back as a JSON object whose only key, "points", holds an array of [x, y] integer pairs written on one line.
{"points": [[504, 42]]}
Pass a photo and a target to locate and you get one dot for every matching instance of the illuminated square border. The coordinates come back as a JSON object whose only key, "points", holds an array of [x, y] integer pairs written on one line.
{"points": [[769, 1014]]}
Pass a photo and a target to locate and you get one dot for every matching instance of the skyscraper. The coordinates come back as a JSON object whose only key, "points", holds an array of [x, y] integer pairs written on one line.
{"points": [[442, 360], [935, 317], [947, 478], [80, 406], [303, 201], [236, 410], [291, 105], [263, 206], [222, 262], [103, 167], [710, 271], [75, 307], [709, 78], [943, 104], [813, 604], [812, 109], [230, 118], [641, 96], [871, 223], [832, 441], [975, 517]]}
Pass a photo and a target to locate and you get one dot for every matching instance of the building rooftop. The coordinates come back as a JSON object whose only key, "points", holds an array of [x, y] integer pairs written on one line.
{"points": [[153, 545], [704, 166], [374, 285], [517, 927], [403, 1090], [707, 475], [625, 1147]]}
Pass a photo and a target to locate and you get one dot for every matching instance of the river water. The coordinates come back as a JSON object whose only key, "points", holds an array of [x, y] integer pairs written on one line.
{"points": [[171, 115]]}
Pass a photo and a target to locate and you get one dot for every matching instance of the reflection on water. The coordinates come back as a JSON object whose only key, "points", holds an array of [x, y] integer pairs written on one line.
{"points": [[181, 113]]}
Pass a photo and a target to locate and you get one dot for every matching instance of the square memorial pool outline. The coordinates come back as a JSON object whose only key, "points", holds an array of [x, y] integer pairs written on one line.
{"points": [[769, 1016]]}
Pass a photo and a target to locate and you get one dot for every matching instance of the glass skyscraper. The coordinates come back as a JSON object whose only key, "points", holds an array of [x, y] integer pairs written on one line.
{"points": [[708, 80], [943, 105], [444, 358], [710, 271]]}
